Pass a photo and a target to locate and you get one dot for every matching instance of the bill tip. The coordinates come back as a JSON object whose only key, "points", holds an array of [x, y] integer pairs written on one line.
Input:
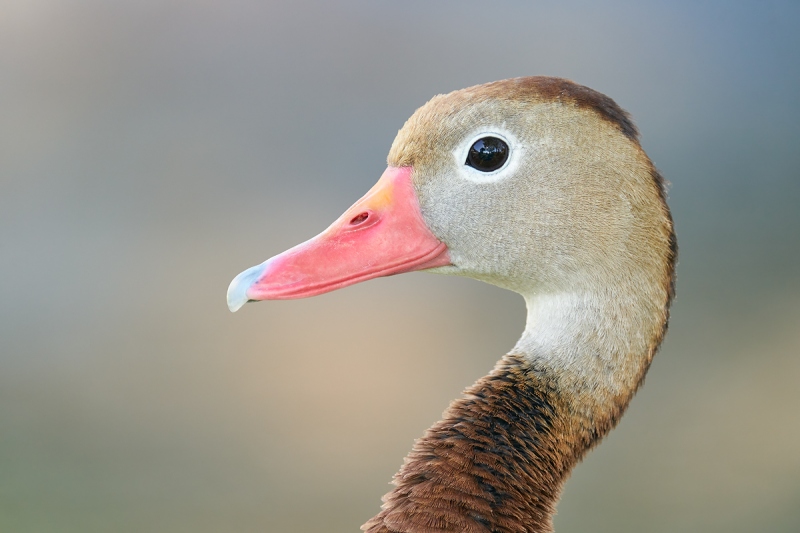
{"points": [[237, 290]]}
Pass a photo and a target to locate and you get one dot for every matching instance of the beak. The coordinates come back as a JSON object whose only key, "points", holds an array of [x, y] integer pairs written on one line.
{"points": [[380, 235]]}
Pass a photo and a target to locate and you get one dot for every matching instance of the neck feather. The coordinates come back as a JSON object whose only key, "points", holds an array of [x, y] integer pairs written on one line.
{"points": [[495, 462], [499, 457]]}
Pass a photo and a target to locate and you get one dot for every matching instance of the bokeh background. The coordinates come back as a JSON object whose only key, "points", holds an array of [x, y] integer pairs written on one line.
{"points": [[152, 149]]}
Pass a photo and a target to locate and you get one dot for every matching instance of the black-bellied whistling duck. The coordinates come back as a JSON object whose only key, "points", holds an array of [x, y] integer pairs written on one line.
{"points": [[537, 185]]}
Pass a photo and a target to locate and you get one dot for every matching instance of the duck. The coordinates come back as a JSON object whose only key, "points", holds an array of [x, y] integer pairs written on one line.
{"points": [[534, 184]]}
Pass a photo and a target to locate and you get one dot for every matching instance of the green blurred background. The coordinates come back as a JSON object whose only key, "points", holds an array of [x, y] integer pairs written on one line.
{"points": [[151, 150]]}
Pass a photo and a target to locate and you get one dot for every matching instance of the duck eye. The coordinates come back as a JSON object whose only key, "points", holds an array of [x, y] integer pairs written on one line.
{"points": [[487, 154]]}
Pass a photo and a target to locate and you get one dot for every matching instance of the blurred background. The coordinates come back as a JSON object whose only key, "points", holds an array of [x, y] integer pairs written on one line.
{"points": [[152, 150]]}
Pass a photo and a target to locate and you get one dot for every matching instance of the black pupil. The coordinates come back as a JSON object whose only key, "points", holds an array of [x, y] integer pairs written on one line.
{"points": [[487, 154]]}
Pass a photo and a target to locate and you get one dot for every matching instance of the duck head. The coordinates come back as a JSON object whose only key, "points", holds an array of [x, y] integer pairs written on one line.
{"points": [[536, 184]]}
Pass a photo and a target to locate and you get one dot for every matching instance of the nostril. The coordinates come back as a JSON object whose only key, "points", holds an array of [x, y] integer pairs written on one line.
{"points": [[359, 218]]}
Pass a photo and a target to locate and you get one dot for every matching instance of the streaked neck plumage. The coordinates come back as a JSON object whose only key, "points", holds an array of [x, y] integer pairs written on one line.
{"points": [[498, 459]]}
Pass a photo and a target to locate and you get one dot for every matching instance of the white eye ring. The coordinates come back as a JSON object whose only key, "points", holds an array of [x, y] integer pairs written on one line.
{"points": [[472, 174]]}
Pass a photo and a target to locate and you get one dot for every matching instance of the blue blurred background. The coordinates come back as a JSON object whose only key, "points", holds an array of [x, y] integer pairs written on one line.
{"points": [[151, 150]]}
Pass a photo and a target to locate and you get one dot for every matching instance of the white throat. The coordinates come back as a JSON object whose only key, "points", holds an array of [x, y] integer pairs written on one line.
{"points": [[592, 340]]}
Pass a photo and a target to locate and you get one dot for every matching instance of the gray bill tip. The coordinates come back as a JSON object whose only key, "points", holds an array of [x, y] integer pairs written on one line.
{"points": [[237, 290]]}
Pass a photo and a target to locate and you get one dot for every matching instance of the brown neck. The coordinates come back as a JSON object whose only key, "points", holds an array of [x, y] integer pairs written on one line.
{"points": [[495, 463]]}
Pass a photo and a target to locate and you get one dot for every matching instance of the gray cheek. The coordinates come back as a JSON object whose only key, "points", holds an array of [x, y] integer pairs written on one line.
{"points": [[472, 220]]}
